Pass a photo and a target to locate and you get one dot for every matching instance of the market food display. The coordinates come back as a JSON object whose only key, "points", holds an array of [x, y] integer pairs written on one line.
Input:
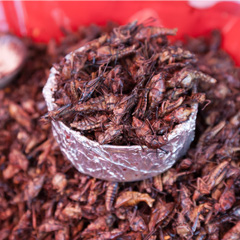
{"points": [[131, 125], [42, 196]]}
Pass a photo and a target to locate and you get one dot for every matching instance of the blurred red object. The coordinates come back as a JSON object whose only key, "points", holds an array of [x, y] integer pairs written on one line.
{"points": [[42, 20]]}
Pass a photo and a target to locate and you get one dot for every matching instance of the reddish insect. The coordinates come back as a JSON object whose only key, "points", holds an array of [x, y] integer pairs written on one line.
{"points": [[179, 115]]}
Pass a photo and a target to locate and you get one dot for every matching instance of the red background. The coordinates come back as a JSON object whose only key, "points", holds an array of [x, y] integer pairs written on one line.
{"points": [[41, 20]]}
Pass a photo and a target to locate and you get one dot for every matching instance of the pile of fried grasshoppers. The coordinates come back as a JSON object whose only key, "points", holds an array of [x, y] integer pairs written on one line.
{"points": [[128, 87]]}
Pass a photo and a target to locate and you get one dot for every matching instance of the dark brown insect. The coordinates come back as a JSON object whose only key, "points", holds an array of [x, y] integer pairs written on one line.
{"points": [[179, 115], [168, 106], [111, 194], [144, 132], [90, 87], [74, 92], [110, 134], [60, 113], [183, 228], [110, 54], [227, 198], [90, 123], [213, 179], [185, 78], [137, 224], [198, 97], [175, 93], [114, 80], [101, 224], [103, 103], [172, 54], [159, 213], [157, 89], [123, 108], [141, 107], [186, 202], [142, 129], [72, 211], [154, 32], [123, 34], [123, 53]]}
